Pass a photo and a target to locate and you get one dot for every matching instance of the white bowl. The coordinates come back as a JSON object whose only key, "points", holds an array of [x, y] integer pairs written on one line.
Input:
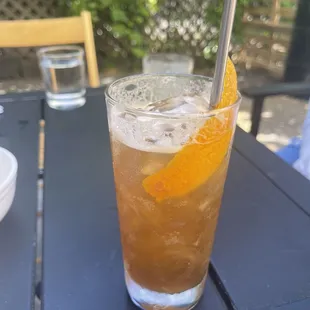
{"points": [[8, 174]]}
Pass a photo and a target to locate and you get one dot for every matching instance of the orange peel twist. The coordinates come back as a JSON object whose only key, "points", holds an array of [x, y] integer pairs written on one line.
{"points": [[197, 161]]}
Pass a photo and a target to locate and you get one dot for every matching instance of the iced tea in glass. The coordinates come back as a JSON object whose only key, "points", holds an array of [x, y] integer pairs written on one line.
{"points": [[170, 156]]}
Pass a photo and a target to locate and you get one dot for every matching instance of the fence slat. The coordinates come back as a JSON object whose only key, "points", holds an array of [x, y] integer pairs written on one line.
{"points": [[267, 32], [269, 26]]}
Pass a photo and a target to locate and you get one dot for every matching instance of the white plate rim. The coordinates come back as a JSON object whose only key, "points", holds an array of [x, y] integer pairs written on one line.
{"points": [[13, 171]]}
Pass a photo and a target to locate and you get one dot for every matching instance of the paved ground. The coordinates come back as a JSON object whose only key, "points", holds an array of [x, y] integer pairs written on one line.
{"points": [[282, 119]]}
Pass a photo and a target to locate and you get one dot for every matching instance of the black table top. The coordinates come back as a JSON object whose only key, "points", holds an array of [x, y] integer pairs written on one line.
{"points": [[19, 134], [261, 253]]}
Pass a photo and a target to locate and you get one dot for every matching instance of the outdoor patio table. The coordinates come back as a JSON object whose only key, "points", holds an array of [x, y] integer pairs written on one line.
{"points": [[261, 255]]}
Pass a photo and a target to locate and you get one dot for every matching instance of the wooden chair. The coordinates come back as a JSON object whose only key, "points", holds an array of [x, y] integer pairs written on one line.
{"points": [[54, 31]]}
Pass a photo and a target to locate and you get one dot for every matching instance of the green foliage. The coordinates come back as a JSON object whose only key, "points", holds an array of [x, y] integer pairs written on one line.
{"points": [[214, 13], [288, 4], [213, 16], [122, 22]]}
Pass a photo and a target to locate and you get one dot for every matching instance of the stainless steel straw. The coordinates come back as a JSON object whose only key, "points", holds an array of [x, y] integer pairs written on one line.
{"points": [[222, 53]]}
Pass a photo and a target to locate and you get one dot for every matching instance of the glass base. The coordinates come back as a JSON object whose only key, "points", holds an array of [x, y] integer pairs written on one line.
{"points": [[66, 101], [147, 300]]}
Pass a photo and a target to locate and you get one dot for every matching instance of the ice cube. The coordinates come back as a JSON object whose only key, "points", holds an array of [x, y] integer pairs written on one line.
{"points": [[180, 105], [152, 167], [127, 116], [161, 135]]}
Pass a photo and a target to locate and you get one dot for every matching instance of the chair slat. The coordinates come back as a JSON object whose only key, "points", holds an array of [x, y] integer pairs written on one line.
{"points": [[43, 32]]}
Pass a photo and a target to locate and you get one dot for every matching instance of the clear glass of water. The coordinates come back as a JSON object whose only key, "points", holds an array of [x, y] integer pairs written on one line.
{"points": [[167, 63], [63, 73]]}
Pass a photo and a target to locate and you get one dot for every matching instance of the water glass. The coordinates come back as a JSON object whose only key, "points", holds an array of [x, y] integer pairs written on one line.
{"points": [[167, 63], [63, 73]]}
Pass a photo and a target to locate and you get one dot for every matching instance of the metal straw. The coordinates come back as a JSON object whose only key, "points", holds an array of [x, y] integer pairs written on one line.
{"points": [[222, 53]]}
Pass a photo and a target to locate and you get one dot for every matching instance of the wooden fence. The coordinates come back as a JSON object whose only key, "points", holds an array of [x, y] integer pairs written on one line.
{"points": [[22, 62], [268, 32]]}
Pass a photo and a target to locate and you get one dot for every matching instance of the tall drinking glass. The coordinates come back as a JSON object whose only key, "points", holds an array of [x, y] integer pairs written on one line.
{"points": [[170, 157], [63, 73]]}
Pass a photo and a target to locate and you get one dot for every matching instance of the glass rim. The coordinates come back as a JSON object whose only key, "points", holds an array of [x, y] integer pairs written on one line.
{"points": [[139, 112], [158, 55], [69, 51]]}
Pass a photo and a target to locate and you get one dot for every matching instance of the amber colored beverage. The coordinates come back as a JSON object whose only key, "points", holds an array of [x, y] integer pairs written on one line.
{"points": [[168, 208], [167, 245]]}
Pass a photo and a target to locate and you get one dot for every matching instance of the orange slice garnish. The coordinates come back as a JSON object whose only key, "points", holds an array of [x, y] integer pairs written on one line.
{"points": [[200, 158]]}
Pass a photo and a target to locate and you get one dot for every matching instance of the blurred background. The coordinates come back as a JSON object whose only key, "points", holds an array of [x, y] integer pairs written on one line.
{"points": [[268, 46]]}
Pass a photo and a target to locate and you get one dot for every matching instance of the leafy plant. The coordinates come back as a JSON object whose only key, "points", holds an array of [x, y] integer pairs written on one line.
{"points": [[121, 23], [213, 16], [214, 13]]}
